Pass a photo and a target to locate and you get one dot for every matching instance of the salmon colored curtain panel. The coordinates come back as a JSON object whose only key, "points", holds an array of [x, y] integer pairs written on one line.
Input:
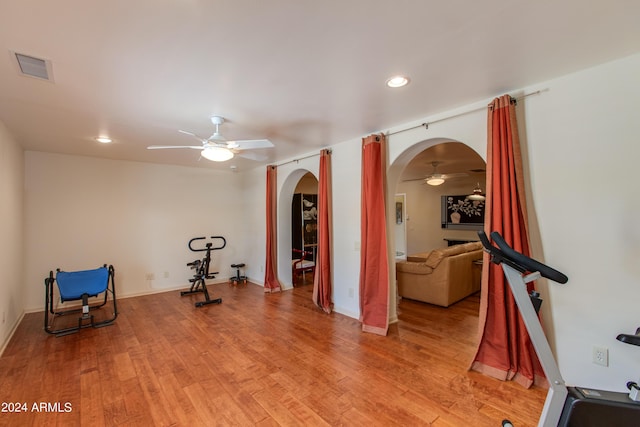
{"points": [[322, 277], [271, 282], [505, 350], [374, 264]]}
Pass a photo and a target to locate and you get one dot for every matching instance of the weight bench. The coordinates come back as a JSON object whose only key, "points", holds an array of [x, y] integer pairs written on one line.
{"points": [[79, 286]]}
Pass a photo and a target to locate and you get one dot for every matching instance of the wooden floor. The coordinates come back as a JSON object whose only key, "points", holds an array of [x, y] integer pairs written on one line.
{"points": [[257, 359]]}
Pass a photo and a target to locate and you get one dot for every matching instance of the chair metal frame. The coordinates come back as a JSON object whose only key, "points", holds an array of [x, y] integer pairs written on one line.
{"points": [[86, 319]]}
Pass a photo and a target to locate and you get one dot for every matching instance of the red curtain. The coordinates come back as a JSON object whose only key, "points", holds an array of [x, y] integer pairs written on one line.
{"points": [[271, 282], [374, 264], [505, 350], [322, 277]]}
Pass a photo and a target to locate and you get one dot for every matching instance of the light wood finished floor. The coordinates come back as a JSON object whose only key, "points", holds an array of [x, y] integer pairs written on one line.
{"points": [[258, 359]]}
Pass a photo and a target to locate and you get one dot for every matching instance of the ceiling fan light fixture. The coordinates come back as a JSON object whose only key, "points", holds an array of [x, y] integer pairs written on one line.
{"points": [[217, 154], [103, 139], [435, 180]]}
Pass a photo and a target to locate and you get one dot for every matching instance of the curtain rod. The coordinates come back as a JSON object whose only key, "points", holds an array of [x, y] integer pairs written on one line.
{"points": [[302, 158], [426, 124]]}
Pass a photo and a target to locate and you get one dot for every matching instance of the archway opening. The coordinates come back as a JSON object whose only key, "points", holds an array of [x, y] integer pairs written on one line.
{"points": [[427, 224], [424, 218], [304, 230]]}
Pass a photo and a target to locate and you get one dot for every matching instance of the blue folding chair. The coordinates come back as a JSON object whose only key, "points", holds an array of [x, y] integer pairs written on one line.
{"points": [[79, 286]]}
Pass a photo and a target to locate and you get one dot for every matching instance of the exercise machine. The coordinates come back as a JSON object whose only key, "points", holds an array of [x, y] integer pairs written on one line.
{"points": [[564, 406], [79, 286], [201, 267]]}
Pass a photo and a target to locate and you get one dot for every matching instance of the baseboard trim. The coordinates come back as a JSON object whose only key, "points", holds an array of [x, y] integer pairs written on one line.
{"points": [[5, 343]]}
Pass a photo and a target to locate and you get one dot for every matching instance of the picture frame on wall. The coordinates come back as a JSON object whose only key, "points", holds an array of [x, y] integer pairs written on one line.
{"points": [[399, 213], [460, 213]]}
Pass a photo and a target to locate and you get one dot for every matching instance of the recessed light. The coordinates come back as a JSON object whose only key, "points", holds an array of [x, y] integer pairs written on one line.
{"points": [[398, 81], [103, 139]]}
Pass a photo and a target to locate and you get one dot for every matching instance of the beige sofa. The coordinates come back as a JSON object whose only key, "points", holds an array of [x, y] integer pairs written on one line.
{"points": [[441, 276]]}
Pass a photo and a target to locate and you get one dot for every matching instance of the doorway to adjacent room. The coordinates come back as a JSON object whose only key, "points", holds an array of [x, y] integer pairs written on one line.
{"points": [[304, 230]]}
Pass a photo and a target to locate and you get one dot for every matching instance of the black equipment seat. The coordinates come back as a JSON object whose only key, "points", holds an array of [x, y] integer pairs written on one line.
{"points": [[201, 267], [238, 279]]}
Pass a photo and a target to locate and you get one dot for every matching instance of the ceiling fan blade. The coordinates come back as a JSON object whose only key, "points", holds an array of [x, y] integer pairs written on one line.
{"points": [[189, 133], [199, 138], [454, 175], [249, 144], [161, 147]]}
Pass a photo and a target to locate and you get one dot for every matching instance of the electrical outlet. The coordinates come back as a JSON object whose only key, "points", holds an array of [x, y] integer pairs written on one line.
{"points": [[166, 274], [601, 356], [150, 276], [350, 292]]}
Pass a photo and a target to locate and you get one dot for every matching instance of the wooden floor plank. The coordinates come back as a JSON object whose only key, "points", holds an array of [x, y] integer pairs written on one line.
{"points": [[259, 359]]}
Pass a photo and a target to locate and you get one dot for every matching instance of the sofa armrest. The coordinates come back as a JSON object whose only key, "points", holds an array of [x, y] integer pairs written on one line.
{"points": [[413, 267]]}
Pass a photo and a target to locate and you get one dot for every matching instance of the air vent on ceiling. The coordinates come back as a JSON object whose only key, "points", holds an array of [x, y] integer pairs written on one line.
{"points": [[34, 67], [477, 170]]}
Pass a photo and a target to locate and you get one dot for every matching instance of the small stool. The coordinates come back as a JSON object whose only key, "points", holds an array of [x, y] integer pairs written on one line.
{"points": [[237, 279]]}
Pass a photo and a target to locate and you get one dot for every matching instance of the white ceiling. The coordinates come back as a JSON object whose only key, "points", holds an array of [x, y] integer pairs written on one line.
{"points": [[303, 74]]}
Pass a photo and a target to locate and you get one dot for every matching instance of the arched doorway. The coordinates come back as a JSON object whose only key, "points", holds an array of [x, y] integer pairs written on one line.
{"points": [[290, 181], [304, 230], [422, 202], [462, 169]]}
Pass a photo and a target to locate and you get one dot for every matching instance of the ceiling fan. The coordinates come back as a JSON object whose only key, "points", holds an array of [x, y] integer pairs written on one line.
{"points": [[217, 148], [437, 178]]}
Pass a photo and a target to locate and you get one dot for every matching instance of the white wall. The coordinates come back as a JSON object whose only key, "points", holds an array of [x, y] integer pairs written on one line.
{"points": [[83, 212], [252, 211], [11, 235], [582, 138]]}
